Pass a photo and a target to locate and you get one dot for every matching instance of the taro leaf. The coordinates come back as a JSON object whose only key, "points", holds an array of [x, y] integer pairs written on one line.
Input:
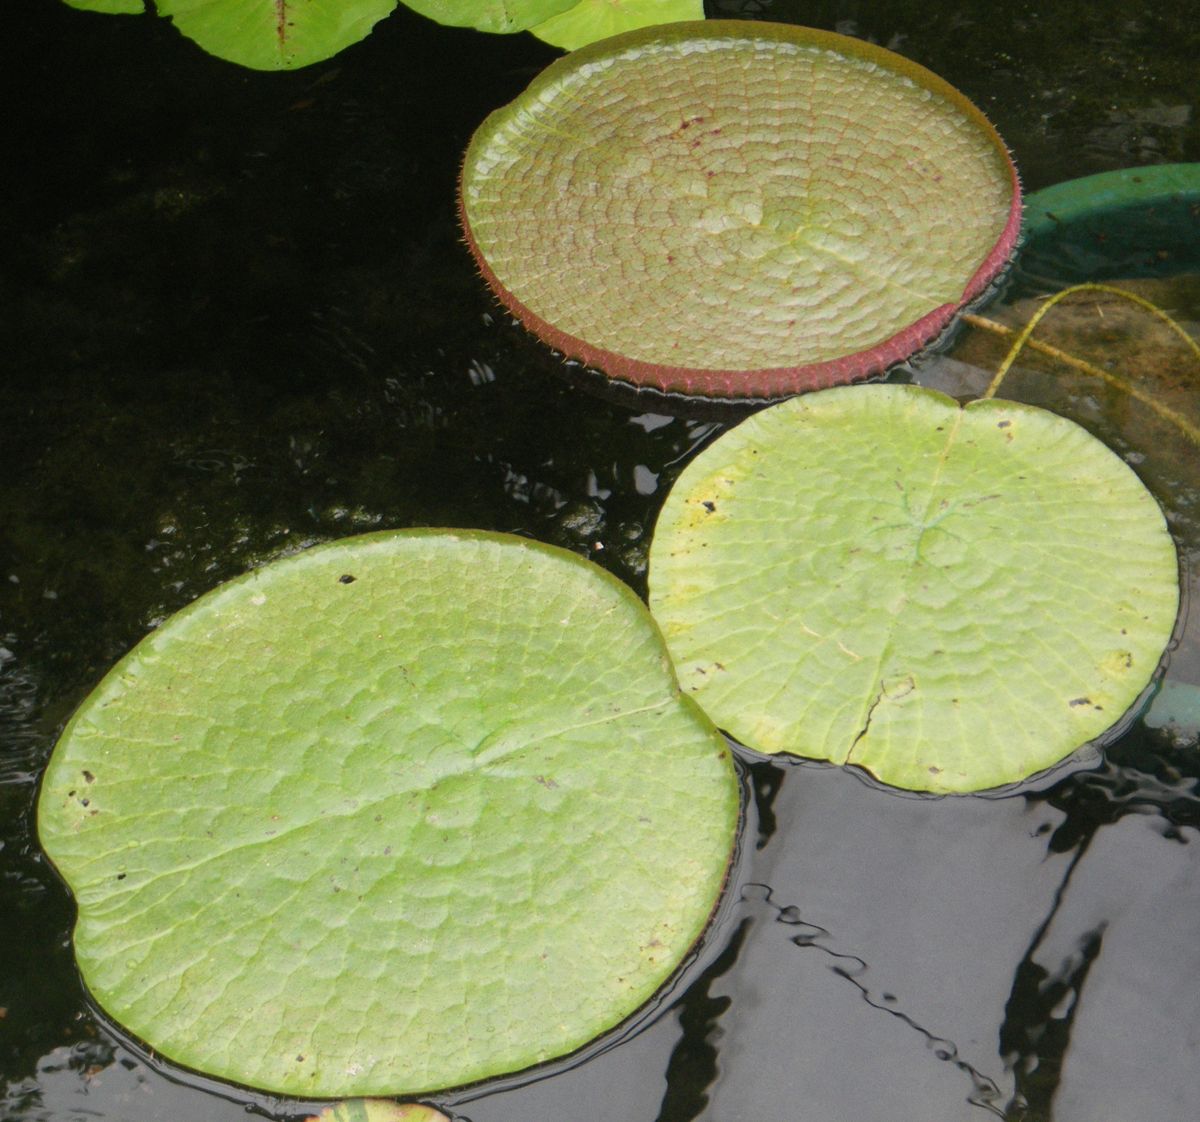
{"points": [[952, 598], [590, 20], [738, 208], [490, 15], [396, 813]]}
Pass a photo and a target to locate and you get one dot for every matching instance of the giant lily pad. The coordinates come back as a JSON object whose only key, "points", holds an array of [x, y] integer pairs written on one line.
{"points": [[393, 814], [1132, 222], [952, 598], [738, 209]]}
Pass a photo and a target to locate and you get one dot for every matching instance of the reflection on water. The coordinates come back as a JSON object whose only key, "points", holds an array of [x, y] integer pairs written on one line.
{"points": [[855, 971], [879, 908], [245, 324], [934, 958]]}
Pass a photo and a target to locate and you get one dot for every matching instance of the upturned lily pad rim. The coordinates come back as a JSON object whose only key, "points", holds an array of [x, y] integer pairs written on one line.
{"points": [[1129, 223], [765, 383]]}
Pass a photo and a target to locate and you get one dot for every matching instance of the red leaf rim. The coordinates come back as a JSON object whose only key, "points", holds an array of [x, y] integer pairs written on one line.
{"points": [[774, 381]]}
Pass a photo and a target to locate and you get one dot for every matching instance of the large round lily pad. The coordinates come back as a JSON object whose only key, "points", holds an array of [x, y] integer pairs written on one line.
{"points": [[738, 209], [951, 597], [393, 814]]}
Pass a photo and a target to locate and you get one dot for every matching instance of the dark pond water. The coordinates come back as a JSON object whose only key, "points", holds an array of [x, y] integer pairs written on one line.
{"points": [[237, 320]]}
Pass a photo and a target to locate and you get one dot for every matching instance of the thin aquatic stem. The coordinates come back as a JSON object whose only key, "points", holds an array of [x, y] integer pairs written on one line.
{"points": [[1024, 338]]}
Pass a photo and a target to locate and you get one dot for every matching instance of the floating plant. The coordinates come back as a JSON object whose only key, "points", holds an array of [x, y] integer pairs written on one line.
{"points": [[951, 597], [393, 814], [279, 35], [590, 20], [416, 809], [501, 16], [287, 34], [738, 209]]}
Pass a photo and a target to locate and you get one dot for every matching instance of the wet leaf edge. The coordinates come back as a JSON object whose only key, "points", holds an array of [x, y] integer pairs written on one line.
{"points": [[1136, 701], [648, 1002]]}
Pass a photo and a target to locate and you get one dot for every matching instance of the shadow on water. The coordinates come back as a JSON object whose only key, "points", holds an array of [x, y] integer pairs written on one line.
{"points": [[692, 1068], [1147, 791]]}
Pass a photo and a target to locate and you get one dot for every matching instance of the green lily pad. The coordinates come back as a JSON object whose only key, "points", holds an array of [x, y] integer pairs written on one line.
{"points": [[272, 34], [738, 209], [393, 814], [287, 34], [501, 16], [276, 35], [590, 20], [952, 598], [1133, 222]]}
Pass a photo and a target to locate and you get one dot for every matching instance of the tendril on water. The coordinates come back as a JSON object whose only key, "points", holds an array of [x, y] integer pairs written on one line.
{"points": [[1024, 337]]}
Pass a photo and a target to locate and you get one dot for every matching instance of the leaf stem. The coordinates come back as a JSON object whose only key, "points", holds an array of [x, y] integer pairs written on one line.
{"points": [[1024, 338]]}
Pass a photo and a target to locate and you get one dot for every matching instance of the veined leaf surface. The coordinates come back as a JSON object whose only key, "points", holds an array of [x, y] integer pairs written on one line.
{"points": [[393, 814], [287, 34], [590, 20], [953, 598], [738, 209], [275, 34], [490, 15]]}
